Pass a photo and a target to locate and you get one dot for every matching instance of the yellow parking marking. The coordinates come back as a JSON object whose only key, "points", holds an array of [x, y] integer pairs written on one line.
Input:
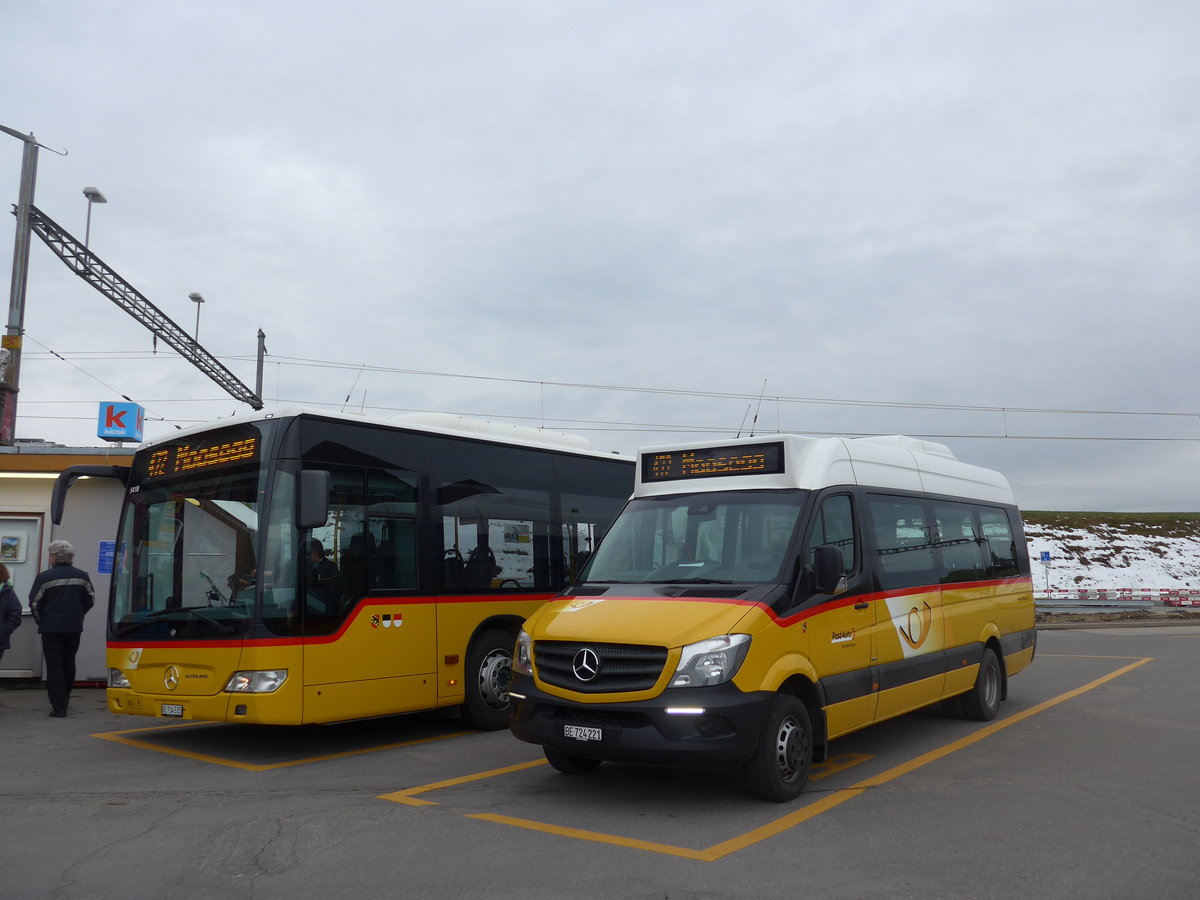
{"points": [[777, 826], [408, 798], [122, 737]]}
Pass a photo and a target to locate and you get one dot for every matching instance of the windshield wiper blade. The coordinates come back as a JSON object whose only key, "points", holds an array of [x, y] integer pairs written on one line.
{"points": [[691, 581], [190, 610]]}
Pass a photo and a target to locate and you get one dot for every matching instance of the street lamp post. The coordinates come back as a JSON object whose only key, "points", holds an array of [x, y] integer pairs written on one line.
{"points": [[197, 299], [93, 196]]}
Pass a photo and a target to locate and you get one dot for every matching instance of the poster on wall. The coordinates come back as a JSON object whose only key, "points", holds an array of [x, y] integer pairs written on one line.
{"points": [[12, 548]]}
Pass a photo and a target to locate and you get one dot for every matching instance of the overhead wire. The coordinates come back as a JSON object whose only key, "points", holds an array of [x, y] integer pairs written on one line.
{"points": [[635, 427]]}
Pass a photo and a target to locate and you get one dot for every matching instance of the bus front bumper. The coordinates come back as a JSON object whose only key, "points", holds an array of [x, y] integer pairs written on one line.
{"points": [[709, 726]]}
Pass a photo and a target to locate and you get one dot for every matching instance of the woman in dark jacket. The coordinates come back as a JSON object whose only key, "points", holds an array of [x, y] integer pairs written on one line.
{"points": [[10, 609]]}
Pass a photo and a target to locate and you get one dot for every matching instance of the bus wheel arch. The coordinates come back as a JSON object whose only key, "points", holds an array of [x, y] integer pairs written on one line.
{"points": [[488, 675]]}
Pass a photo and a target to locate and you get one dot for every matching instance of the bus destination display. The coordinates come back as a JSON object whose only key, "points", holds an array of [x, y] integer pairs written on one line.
{"points": [[711, 462], [184, 458]]}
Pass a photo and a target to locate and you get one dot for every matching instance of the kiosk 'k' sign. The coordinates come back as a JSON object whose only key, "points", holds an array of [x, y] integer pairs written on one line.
{"points": [[120, 422]]}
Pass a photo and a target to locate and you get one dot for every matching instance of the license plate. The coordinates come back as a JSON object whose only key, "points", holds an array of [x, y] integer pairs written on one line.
{"points": [[580, 733], [172, 709]]}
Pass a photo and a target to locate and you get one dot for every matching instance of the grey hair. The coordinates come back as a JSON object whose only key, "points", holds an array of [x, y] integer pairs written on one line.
{"points": [[61, 552]]}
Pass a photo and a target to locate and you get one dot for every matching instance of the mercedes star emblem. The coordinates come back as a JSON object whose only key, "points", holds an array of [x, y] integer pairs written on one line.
{"points": [[586, 664], [171, 678]]}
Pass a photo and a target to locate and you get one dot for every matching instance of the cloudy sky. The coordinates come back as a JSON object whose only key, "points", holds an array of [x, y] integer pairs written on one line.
{"points": [[638, 221]]}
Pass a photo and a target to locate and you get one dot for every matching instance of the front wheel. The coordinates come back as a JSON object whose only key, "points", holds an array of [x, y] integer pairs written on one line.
{"points": [[779, 767], [488, 675], [982, 702]]}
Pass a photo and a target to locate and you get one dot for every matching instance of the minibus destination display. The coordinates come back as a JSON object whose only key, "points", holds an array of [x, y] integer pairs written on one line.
{"points": [[185, 458], [711, 462]]}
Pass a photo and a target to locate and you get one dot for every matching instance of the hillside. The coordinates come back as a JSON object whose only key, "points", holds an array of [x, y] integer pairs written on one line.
{"points": [[1094, 550]]}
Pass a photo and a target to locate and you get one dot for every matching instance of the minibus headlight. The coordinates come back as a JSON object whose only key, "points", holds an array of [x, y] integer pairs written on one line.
{"points": [[522, 657], [710, 662], [117, 679], [258, 682]]}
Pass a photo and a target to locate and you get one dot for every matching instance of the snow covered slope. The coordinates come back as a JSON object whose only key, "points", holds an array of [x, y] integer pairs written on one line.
{"points": [[1114, 550]]}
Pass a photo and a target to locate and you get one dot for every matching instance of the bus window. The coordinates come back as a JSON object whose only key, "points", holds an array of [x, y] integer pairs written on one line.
{"points": [[834, 525], [392, 523], [903, 543], [496, 520], [341, 568], [1001, 546], [959, 544]]}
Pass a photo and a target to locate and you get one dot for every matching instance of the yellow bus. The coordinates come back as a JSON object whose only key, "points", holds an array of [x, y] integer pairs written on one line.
{"points": [[756, 599], [296, 567]]}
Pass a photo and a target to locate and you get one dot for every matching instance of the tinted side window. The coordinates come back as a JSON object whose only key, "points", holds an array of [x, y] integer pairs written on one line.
{"points": [[960, 545], [392, 512], [833, 524], [494, 506], [904, 541], [1001, 546], [339, 556], [592, 493]]}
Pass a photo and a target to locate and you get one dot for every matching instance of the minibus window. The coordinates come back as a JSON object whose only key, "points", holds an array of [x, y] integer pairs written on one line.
{"points": [[903, 541]]}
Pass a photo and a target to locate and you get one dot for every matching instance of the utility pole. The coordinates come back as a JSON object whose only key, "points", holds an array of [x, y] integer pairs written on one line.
{"points": [[10, 348]]}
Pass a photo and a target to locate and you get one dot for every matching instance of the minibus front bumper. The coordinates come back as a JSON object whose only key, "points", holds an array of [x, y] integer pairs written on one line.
{"points": [[708, 726]]}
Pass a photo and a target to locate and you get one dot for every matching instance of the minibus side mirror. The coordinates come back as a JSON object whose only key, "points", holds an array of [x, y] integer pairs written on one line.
{"points": [[312, 503], [827, 570]]}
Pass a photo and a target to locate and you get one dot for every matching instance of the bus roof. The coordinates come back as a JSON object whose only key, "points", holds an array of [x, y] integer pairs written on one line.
{"points": [[427, 422], [793, 461]]}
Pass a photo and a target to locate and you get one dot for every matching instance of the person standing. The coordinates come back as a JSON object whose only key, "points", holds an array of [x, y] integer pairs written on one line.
{"points": [[10, 609], [59, 599]]}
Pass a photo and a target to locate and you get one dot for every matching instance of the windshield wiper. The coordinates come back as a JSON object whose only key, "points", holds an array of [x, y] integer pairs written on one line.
{"points": [[170, 610], [691, 581]]}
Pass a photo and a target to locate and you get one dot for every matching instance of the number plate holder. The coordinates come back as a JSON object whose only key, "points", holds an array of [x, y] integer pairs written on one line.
{"points": [[171, 710], [583, 733]]}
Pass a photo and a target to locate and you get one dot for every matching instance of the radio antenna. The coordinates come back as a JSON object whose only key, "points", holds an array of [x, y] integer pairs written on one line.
{"points": [[353, 386], [742, 423], [760, 400]]}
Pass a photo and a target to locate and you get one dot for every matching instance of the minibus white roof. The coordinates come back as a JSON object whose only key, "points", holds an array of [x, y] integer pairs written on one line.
{"points": [[892, 461]]}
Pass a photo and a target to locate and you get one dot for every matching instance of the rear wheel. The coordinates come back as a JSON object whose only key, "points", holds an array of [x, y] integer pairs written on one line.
{"points": [[569, 763], [982, 702], [781, 762], [489, 673]]}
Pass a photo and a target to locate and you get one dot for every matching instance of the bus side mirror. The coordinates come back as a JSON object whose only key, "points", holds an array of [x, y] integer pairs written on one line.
{"points": [[313, 500], [827, 570]]}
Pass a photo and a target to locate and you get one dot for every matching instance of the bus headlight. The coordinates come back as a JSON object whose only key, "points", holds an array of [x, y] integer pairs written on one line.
{"points": [[522, 655], [259, 682], [710, 662], [117, 679]]}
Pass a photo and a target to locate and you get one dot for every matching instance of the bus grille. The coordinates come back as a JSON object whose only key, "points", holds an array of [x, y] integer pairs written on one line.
{"points": [[619, 667]]}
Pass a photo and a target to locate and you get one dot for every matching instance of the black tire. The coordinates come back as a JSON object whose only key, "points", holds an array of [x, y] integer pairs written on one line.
{"points": [[779, 768], [569, 763], [488, 675], [982, 702]]}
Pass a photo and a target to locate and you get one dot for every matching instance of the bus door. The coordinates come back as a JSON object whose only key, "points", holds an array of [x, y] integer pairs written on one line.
{"points": [[369, 635], [911, 659], [842, 633]]}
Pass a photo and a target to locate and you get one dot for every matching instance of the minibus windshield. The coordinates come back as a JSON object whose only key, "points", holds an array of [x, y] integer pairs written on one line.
{"points": [[704, 537]]}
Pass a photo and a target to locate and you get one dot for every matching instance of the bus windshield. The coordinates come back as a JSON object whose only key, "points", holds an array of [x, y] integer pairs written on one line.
{"points": [[187, 553], [705, 537]]}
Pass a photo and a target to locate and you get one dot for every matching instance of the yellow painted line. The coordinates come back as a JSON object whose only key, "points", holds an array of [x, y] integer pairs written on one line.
{"points": [[839, 763], [408, 796], [122, 737], [777, 826], [1081, 656]]}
